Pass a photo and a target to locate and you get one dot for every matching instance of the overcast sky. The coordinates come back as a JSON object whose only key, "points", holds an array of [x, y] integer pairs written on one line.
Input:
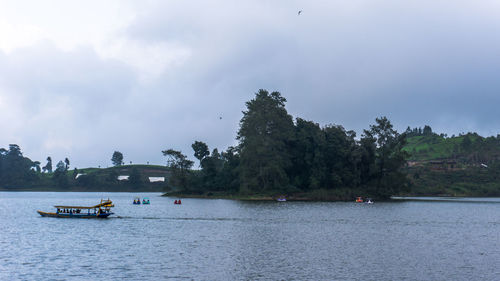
{"points": [[81, 79]]}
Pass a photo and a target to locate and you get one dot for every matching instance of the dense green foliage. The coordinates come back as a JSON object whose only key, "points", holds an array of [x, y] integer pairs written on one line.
{"points": [[15, 169], [276, 155], [265, 135]]}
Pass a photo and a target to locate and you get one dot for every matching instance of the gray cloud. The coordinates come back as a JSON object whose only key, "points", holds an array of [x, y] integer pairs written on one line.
{"points": [[425, 62]]}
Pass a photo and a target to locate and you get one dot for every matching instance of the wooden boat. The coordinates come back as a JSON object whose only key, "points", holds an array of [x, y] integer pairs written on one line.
{"points": [[101, 210]]}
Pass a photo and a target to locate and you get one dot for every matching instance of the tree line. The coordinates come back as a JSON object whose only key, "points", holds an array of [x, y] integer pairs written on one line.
{"points": [[277, 154], [17, 170]]}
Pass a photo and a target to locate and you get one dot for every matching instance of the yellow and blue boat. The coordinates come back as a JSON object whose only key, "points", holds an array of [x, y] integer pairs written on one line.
{"points": [[101, 210]]}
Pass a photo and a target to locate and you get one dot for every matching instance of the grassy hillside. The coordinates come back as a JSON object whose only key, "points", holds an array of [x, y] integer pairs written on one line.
{"points": [[470, 148], [97, 179], [465, 165], [144, 170]]}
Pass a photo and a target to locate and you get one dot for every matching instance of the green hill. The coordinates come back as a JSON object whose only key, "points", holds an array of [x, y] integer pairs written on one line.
{"points": [[465, 165], [470, 148], [100, 179]]}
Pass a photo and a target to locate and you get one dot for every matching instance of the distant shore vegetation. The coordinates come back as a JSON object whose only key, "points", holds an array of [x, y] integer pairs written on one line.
{"points": [[278, 155]]}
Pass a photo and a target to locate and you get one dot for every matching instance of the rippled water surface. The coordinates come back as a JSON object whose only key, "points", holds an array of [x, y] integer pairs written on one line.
{"points": [[237, 240]]}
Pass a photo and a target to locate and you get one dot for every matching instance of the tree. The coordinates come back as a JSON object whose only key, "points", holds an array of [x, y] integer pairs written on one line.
{"points": [[308, 169], [60, 176], [15, 169], [229, 177], [340, 164], [180, 167], [48, 166], [427, 130], [200, 150], [266, 130], [390, 157], [117, 158], [36, 166], [66, 164], [212, 166]]}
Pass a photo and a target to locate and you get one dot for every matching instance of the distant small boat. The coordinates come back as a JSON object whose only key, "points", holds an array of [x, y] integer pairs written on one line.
{"points": [[177, 202], [369, 201], [145, 201], [101, 210], [137, 201], [281, 199], [359, 199]]}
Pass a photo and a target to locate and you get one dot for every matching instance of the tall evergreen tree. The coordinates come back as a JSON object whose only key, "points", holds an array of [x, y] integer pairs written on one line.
{"points": [[265, 133]]}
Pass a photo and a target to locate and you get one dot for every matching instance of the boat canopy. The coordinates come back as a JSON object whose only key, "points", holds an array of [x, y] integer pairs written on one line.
{"points": [[103, 204]]}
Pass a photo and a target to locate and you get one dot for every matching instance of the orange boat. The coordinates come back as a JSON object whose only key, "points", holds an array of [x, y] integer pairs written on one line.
{"points": [[359, 200]]}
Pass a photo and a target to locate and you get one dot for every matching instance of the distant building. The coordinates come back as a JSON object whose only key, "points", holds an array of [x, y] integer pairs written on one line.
{"points": [[156, 179], [123, 178], [79, 175], [443, 165]]}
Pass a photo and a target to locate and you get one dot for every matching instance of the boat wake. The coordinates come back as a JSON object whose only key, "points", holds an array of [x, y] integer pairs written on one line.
{"points": [[180, 218]]}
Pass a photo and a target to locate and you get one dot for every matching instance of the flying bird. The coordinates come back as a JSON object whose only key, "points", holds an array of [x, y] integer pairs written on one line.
{"points": [[300, 12]]}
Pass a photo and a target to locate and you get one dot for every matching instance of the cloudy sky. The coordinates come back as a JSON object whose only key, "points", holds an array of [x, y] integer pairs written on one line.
{"points": [[81, 79]]}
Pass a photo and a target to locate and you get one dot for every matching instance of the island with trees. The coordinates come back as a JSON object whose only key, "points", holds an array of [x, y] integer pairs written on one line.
{"points": [[278, 155]]}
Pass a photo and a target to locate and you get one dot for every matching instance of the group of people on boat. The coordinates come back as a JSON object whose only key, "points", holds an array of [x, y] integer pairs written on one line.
{"points": [[177, 202], [68, 211], [101, 210], [137, 201]]}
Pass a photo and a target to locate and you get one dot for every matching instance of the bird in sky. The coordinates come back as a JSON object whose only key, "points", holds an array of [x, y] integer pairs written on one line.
{"points": [[300, 12]]}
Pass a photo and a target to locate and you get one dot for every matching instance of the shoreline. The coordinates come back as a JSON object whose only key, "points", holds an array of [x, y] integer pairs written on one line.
{"points": [[264, 197]]}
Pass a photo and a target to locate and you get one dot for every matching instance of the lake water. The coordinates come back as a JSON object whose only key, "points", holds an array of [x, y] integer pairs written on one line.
{"points": [[238, 240]]}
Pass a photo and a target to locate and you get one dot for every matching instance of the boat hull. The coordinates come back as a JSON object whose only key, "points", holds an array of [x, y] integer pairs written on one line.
{"points": [[74, 216]]}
